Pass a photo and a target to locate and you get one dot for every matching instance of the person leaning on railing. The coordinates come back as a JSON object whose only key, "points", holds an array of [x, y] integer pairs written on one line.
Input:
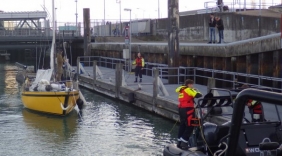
{"points": [[139, 62], [186, 96]]}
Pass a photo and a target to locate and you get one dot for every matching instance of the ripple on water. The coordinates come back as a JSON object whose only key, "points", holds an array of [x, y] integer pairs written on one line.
{"points": [[107, 128]]}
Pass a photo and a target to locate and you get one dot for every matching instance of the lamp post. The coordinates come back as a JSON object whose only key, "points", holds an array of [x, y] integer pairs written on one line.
{"points": [[76, 16], [119, 1], [104, 18], [126, 9], [158, 9]]}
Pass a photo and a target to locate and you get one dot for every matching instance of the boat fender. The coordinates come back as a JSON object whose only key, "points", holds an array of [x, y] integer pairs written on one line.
{"points": [[172, 150], [63, 108], [79, 103], [131, 97], [48, 88], [82, 97]]}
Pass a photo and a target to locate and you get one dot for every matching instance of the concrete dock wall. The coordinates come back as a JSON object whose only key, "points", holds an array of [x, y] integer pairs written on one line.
{"points": [[236, 27]]}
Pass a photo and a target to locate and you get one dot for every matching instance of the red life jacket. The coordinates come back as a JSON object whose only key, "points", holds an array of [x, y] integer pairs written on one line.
{"points": [[257, 108], [138, 61], [185, 100]]}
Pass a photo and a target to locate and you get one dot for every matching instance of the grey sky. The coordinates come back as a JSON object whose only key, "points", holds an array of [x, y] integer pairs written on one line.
{"points": [[140, 8]]}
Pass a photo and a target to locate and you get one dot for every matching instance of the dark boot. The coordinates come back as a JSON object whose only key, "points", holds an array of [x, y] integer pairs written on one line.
{"points": [[184, 145], [140, 80], [178, 144], [135, 80]]}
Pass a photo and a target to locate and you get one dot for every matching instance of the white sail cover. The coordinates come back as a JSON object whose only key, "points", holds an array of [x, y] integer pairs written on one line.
{"points": [[42, 75]]}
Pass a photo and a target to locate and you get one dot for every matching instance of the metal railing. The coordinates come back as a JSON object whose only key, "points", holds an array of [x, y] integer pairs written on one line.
{"points": [[232, 79], [40, 32], [234, 5]]}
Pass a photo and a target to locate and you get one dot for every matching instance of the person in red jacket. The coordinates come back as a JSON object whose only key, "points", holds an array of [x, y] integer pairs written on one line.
{"points": [[255, 108], [186, 96], [139, 62]]}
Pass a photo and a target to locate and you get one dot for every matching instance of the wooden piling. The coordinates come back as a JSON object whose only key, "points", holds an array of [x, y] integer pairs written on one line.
{"points": [[94, 72], [155, 86], [87, 35], [119, 68]]}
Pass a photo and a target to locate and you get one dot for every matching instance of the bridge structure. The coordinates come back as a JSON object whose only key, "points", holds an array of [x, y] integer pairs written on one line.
{"points": [[30, 28]]}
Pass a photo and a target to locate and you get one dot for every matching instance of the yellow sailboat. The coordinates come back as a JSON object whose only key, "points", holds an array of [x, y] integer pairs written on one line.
{"points": [[45, 95]]}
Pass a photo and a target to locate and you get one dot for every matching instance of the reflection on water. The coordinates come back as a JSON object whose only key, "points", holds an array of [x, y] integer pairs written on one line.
{"points": [[107, 127], [61, 128]]}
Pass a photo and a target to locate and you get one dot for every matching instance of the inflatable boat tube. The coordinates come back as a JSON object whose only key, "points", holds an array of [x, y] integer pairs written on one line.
{"points": [[172, 150]]}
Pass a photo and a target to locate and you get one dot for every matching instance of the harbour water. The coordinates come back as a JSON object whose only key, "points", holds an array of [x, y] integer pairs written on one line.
{"points": [[106, 127]]}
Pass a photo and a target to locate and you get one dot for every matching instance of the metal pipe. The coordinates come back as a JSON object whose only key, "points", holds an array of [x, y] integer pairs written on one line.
{"points": [[130, 42], [238, 111], [120, 17], [104, 18], [244, 5], [158, 9], [76, 18]]}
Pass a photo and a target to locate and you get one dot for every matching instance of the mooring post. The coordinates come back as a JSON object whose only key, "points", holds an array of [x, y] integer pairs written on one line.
{"points": [[211, 84], [119, 67], [87, 35], [155, 87], [173, 39], [77, 66], [94, 72]]}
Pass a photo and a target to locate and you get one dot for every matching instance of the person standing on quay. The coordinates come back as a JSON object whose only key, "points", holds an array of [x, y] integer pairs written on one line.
{"points": [[139, 62], [220, 28], [186, 96], [212, 24]]}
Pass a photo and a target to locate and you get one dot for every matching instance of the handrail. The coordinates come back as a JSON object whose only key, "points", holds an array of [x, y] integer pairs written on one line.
{"points": [[276, 35], [181, 73]]}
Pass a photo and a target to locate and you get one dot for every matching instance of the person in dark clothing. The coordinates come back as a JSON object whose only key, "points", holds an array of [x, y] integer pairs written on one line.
{"points": [[186, 96], [212, 24], [139, 62], [220, 28], [220, 5]]}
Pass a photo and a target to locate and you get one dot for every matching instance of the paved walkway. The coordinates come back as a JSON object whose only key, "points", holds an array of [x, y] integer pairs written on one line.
{"points": [[146, 84]]}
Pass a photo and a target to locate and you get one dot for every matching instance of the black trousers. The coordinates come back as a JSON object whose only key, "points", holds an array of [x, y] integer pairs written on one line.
{"points": [[185, 128], [138, 71]]}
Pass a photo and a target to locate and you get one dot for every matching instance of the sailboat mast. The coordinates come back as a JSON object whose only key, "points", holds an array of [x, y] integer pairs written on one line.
{"points": [[53, 39]]}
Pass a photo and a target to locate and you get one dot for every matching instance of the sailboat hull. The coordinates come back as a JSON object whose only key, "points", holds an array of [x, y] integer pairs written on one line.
{"points": [[58, 103]]}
